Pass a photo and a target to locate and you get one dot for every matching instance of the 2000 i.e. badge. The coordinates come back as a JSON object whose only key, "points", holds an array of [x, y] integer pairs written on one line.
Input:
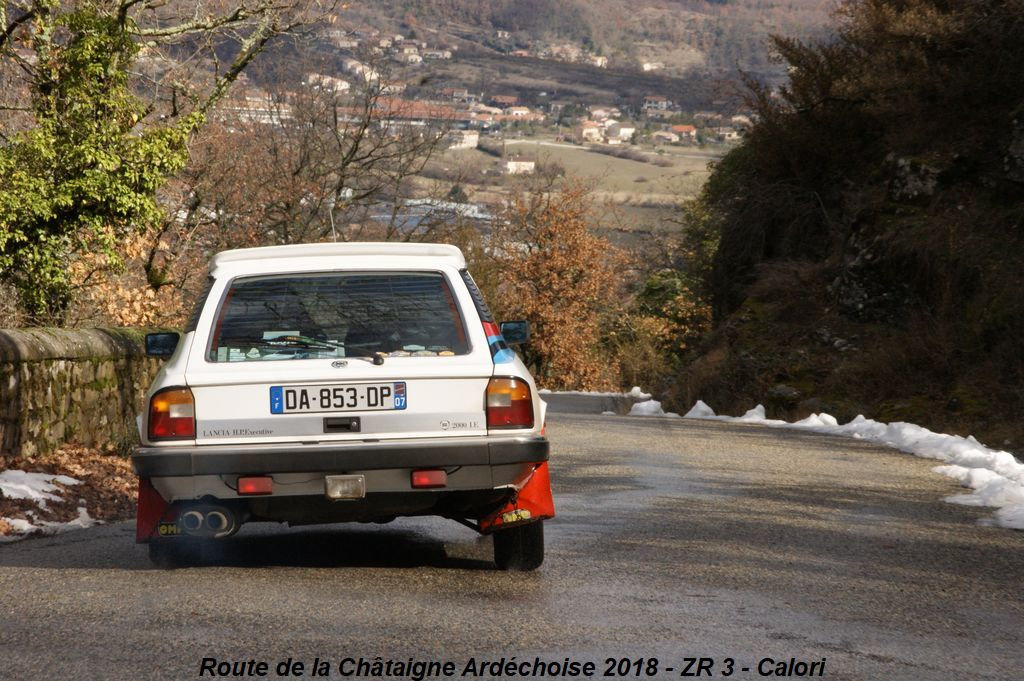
{"points": [[334, 398]]}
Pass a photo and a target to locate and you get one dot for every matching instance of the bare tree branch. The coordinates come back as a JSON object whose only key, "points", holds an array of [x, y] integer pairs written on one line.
{"points": [[240, 13], [251, 47]]}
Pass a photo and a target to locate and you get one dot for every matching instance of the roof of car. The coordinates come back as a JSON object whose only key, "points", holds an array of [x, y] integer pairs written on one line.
{"points": [[444, 252]]}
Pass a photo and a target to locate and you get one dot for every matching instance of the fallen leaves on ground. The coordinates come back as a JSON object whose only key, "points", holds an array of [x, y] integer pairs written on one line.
{"points": [[107, 490]]}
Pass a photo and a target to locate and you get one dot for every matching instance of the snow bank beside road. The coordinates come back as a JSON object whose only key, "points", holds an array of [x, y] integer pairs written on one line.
{"points": [[642, 404], [592, 402], [635, 392], [996, 477], [650, 408]]}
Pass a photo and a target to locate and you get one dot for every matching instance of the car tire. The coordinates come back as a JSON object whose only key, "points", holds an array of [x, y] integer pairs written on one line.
{"points": [[174, 554], [520, 548]]}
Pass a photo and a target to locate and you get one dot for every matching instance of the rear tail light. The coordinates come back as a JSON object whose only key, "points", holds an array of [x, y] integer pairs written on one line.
{"points": [[426, 479], [256, 485], [509, 404], [172, 415]]}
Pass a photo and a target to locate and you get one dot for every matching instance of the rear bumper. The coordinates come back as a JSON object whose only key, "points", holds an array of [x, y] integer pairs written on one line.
{"points": [[150, 462]]}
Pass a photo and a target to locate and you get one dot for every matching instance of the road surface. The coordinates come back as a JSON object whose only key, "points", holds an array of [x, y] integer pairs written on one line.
{"points": [[675, 539]]}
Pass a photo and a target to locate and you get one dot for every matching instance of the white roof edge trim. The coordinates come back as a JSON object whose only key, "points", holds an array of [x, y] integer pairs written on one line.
{"points": [[327, 250]]}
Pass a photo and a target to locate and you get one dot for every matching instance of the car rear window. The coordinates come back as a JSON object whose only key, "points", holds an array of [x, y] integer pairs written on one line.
{"points": [[352, 314]]}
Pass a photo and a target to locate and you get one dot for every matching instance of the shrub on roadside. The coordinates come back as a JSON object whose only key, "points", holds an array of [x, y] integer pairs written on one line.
{"points": [[553, 271]]}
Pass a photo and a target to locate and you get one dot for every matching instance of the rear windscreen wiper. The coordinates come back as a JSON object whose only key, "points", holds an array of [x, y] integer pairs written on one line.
{"points": [[284, 341]]}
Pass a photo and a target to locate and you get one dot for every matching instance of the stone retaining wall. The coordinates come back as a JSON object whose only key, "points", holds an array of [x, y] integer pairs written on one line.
{"points": [[71, 385]]}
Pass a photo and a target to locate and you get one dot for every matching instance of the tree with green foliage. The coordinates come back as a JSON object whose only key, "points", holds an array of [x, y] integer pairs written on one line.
{"points": [[83, 154], [82, 176]]}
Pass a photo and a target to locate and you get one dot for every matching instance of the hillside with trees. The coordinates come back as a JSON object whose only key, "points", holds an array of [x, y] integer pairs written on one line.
{"points": [[140, 142], [713, 35], [862, 249]]}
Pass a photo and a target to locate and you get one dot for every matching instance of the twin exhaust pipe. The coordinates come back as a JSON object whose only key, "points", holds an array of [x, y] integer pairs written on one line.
{"points": [[207, 521]]}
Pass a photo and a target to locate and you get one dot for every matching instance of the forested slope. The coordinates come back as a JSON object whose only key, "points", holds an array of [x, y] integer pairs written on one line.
{"points": [[862, 249], [717, 34]]}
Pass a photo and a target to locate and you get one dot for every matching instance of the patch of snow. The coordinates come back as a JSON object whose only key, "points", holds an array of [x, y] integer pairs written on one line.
{"points": [[36, 486], [83, 521], [40, 488], [1011, 516], [650, 408], [700, 411], [817, 421], [636, 392], [19, 528], [996, 478], [23, 528], [608, 413]]}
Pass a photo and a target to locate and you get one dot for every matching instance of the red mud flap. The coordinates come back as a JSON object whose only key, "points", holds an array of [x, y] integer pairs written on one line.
{"points": [[152, 513], [532, 502]]}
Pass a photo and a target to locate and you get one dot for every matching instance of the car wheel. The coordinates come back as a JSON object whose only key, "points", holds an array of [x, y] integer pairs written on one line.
{"points": [[173, 554], [520, 548]]}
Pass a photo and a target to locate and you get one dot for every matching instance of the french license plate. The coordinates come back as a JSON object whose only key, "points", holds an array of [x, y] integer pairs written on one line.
{"points": [[334, 398]]}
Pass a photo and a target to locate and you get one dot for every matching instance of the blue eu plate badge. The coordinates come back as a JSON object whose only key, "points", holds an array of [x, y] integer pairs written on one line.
{"points": [[276, 400]]}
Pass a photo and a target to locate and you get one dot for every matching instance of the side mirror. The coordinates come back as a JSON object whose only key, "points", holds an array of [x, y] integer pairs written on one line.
{"points": [[161, 344], [515, 332]]}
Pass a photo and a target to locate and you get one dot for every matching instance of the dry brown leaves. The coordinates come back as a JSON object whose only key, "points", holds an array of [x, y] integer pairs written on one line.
{"points": [[107, 490], [121, 296], [559, 275]]}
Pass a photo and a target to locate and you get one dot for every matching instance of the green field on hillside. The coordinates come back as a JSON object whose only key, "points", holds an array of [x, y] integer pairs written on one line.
{"points": [[617, 180]]}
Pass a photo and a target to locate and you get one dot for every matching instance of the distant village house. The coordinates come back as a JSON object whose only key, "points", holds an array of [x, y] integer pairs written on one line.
{"points": [[685, 132], [463, 139], [504, 101], [620, 131], [326, 83], [657, 103], [520, 167], [587, 131]]}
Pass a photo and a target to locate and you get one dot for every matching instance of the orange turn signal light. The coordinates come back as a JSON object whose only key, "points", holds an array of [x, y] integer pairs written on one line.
{"points": [[509, 403], [172, 415]]}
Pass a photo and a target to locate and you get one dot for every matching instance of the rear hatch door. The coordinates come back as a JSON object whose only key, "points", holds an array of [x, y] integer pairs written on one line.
{"points": [[341, 356]]}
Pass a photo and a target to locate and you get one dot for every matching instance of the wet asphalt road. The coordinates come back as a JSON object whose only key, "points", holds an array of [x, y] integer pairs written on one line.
{"points": [[674, 539]]}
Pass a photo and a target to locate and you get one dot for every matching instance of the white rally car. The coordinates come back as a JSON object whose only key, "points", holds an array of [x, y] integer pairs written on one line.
{"points": [[325, 383]]}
